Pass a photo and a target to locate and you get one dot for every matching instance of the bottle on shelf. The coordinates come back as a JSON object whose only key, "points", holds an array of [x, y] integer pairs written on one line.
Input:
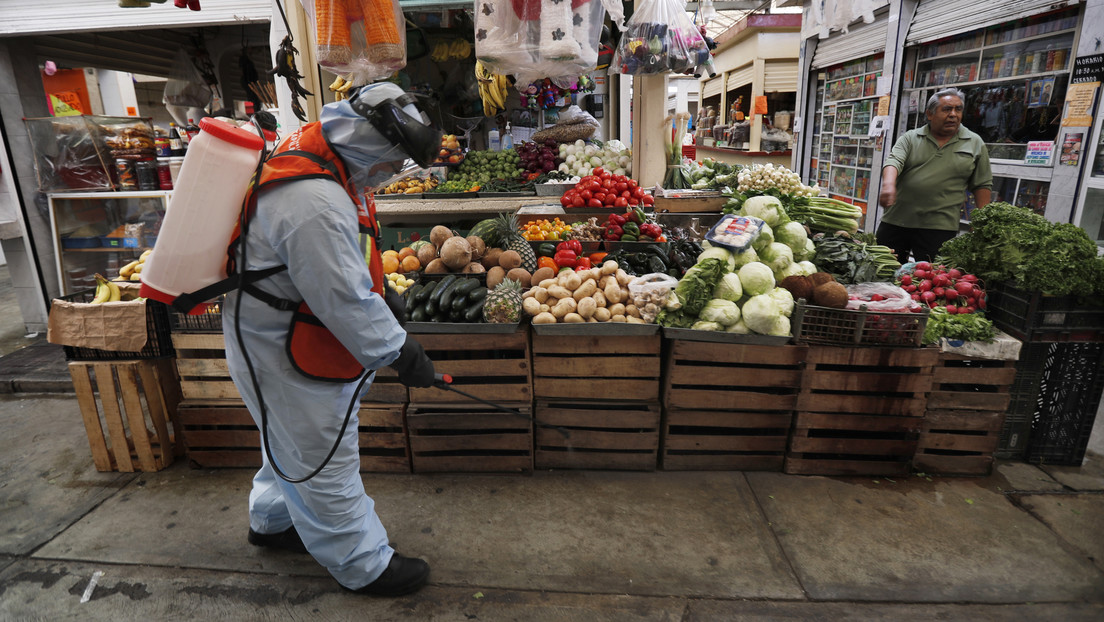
{"points": [[191, 129], [508, 137], [176, 144], [493, 141]]}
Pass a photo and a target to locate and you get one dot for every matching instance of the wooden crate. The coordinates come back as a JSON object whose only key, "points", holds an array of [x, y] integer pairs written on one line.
{"points": [[132, 425], [205, 378], [728, 406], [860, 410], [617, 368], [596, 435], [965, 414], [494, 367], [226, 436], [470, 438]]}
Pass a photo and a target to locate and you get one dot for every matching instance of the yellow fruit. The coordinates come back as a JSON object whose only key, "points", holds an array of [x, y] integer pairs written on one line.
{"points": [[390, 263]]}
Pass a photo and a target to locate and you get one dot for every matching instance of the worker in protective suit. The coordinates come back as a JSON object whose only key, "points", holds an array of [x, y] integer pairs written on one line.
{"points": [[308, 226]]}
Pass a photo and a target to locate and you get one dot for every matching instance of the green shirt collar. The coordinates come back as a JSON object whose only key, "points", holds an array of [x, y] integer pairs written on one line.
{"points": [[961, 134]]}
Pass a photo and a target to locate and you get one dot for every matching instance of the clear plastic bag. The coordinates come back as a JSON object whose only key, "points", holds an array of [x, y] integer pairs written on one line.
{"points": [[878, 296], [649, 291], [660, 37], [361, 40], [531, 40]]}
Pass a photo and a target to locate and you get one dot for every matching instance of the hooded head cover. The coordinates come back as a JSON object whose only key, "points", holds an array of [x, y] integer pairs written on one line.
{"points": [[372, 160]]}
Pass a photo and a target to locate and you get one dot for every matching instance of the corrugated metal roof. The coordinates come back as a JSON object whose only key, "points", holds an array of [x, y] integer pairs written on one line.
{"points": [[27, 17]]}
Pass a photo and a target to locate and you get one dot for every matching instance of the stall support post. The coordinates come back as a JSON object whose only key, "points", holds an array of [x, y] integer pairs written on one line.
{"points": [[648, 146]]}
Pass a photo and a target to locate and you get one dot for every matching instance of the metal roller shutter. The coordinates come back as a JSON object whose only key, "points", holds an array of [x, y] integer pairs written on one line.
{"points": [[860, 40], [936, 19], [713, 87], [780, 76], [741, 77], [28, 17]]}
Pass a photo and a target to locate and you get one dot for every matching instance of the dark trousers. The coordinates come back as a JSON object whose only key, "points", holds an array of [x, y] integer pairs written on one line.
{"points": [[921, 244]]}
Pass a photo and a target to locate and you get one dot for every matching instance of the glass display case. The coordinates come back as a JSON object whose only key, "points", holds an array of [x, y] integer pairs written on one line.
{"points": [[97, 232]]}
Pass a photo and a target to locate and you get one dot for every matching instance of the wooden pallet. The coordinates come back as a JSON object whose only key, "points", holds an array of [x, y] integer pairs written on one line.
{"points": [[225, 436], [596, 435], [618, 368], [965, 414], [728, 406], [494, 367], [469, 438], [205, 377], [860, 410], [129, 410]]}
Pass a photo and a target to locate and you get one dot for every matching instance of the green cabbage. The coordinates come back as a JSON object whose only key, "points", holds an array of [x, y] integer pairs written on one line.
{"points": [[760, 313], [780, 328], [784, 299], [756, 278], [700, 325], [744, 258], [739, 328], [724, 312], [719, 252], [729, 287], [807, 267], [777, 256], [792, 234], [764, 239], [765, 207]]}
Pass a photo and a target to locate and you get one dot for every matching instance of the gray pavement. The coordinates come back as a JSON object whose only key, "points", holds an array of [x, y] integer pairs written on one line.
{"points": [[1022, 544]]}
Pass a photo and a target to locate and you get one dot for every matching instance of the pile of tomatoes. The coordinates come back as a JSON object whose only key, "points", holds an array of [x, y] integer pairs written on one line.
{"points": [[604, 189], [938, 286]]}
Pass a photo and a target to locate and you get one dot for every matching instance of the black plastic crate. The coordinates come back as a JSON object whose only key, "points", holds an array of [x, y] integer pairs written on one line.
{"points": [[1054, 401], [158, 335], [1032, 316], [210, 321]]}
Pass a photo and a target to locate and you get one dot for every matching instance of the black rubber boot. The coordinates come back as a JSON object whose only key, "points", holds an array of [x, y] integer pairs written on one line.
{"points": [[287, 540], [402, 576]]}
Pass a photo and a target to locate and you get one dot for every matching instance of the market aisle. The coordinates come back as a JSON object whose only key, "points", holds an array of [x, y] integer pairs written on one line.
{"points": [[553, 546]]}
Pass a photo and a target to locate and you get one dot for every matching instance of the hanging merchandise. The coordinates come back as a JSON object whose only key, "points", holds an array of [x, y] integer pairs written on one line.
{"points": [[363, 40], [492, 89], [186, 91], [534, 39], [660, 37], [545, 94]]}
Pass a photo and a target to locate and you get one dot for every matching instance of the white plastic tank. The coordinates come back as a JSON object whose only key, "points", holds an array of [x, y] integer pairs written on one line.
{"points": [[190, 252]]}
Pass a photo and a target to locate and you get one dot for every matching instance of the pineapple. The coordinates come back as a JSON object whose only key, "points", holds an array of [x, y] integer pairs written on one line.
{"points": [[503, 304], [511, 240]]}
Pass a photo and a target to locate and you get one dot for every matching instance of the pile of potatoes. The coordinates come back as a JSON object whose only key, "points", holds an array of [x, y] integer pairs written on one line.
{"points": [[596, 295], [449, 252]]}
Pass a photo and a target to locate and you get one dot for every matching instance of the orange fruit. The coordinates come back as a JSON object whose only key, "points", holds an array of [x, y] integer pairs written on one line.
{"points": [[390, 263], [410, 263], [405, 252]]}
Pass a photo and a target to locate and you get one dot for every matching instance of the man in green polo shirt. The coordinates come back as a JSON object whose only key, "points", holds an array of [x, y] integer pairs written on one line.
{"points": [[925, 179]]}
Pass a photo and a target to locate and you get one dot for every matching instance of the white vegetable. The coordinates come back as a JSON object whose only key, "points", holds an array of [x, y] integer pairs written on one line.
{"points": [[777, 256], [729, 287], [784, 299], [724, 312], [756, 278], [760, 313], [767, 208]]}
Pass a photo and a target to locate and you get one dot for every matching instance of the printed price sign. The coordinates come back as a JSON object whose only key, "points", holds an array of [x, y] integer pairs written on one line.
{"points": [[1039, 152]]}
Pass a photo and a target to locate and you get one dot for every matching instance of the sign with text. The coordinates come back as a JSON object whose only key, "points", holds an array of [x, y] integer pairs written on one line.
{"points": [[1039, 152], [1080, 99], [1087, 69]]}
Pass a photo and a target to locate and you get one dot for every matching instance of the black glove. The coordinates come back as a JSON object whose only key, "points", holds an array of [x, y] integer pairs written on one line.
{"points": [[396, 303], [415, 369]]}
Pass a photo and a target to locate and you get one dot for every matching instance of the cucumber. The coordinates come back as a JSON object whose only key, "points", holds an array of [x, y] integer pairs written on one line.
{"points": [[419, 315], [411, 292], [460, 287], [431, 304], [474, 313], [457, 314], [423, 294], [442, 285], [478, 294]]}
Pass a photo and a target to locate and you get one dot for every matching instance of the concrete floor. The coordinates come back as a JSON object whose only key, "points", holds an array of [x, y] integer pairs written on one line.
{"points": [[1022, 544]]}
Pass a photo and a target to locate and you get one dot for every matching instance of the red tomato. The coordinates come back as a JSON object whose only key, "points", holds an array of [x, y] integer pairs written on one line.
{"points": [[620, 202], [621, 187], [600, 196], [632, 184], [577, 201], [604, 175], [594, 203], [638, 192], [648, 200], [598, 171], [565, 200], [633, 201], [609, 200], [586, 194]]}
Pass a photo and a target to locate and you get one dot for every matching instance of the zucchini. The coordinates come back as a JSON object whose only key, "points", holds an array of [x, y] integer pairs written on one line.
{"points": [[442, 285], [474, 313], [419, 315], [477, 295], [411, 292], [460, 287], [423, 294]]}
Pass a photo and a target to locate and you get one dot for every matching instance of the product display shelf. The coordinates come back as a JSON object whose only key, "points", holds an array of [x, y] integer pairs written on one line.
{"points": [[964, 416], [599, 435], [495, 366], [470, 437], [728, 406], [860, 410]]}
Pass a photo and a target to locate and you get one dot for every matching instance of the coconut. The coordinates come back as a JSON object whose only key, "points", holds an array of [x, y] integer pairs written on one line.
{"points": [[830, 294], [799, 286], [456, 253], [439, 234], [820, 278]]}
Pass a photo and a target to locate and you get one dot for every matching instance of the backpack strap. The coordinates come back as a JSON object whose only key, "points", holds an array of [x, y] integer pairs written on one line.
{"points": [[186, 302]]}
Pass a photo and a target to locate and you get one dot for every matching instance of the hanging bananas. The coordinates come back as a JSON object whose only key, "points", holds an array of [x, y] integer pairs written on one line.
{"points": [[445, 49], [340, 88], [492, 89]]}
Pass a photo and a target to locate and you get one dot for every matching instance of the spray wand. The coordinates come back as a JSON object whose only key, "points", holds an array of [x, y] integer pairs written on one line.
{"points": [[444, 382]]}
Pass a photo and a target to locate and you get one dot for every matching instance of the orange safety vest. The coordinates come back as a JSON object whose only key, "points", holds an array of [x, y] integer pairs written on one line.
{"points": [[312, 348]]}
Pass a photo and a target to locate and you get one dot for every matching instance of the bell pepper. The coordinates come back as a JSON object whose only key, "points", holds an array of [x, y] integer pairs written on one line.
{"points": [[583, 263], [597, 258], [566, 259], [614, 232], [628, 238], [617, 219], [547, 249], [571, 245], [640, 215], [632, 216], [631, 228], [547, 262]]}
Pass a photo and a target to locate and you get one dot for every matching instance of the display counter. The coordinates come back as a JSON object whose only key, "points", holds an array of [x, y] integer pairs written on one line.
{"points": [[739, 156]]}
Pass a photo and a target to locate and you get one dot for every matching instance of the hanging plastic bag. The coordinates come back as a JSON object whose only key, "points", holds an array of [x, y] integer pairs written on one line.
{"points": [[532, 40], [186, 87], [660, 37], [362, 40]]}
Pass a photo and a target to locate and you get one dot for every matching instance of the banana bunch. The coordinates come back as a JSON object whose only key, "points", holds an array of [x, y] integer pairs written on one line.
{"points": [[445, 49], [492, 89], [340, 88], [133, 270], [411, 185], [106, 291]]}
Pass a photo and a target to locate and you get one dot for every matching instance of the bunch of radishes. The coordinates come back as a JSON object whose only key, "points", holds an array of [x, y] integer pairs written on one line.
{"points": [[938, 286]]}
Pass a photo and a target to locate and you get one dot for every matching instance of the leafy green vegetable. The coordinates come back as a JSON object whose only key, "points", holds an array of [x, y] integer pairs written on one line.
{"points": [[1009, 243], [675, 318], [851, 261], [695, 288], [964, 326]]}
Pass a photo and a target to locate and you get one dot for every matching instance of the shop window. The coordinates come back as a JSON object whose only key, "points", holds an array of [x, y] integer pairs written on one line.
{"points": [[1092, 221]]}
